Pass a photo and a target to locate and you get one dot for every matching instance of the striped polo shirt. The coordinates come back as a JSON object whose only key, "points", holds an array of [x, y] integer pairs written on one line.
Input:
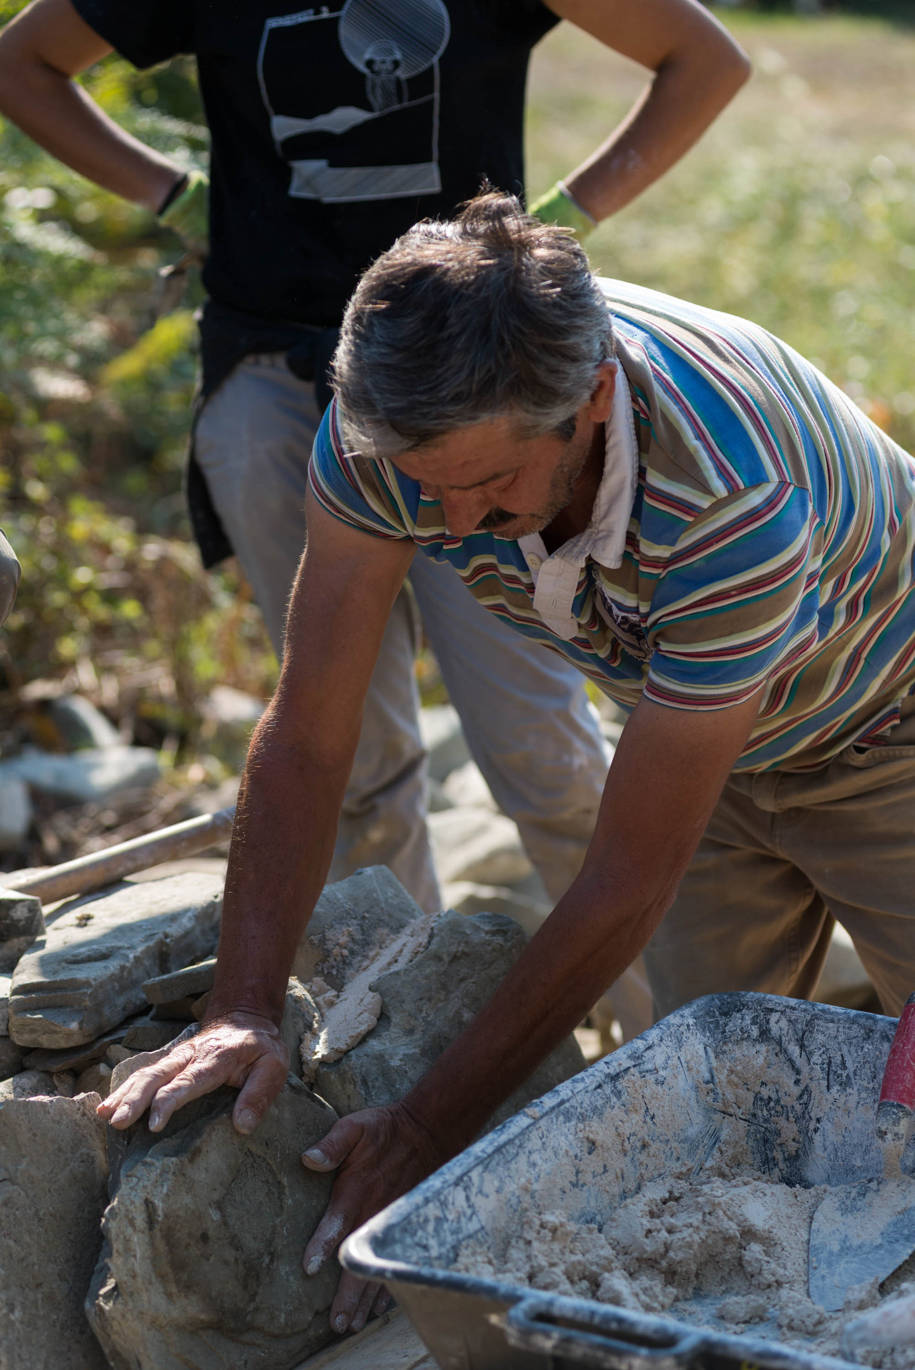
{"points": [[769, 543]]}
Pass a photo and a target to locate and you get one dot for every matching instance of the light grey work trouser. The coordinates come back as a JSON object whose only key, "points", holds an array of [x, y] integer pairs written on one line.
{"points": [[786, 853], [523, 710]]}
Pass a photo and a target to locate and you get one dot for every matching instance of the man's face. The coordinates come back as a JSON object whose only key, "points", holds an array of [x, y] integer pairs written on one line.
{"points": [[487, 478]]}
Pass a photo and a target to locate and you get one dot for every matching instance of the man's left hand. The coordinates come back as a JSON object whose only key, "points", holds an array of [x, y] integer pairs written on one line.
{"points": [[378, 1153]]}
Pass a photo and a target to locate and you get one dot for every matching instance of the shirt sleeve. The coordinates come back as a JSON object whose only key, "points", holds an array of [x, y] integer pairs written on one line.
{"points": [[737, 599], [143, 31], [366, 494]]}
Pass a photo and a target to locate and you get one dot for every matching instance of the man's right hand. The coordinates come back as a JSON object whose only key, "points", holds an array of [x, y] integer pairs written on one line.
{"points": [[238, 1049]]}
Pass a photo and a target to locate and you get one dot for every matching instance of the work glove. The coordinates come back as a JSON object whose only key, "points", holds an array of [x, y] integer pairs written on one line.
{"points": [[186, 209], [557, 206]]}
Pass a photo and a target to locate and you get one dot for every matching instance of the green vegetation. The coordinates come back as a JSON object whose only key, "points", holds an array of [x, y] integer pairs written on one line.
{"points": [[796, 209]]}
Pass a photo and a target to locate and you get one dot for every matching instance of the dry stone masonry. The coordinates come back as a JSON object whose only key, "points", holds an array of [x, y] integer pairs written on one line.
{"points": [[182, 1250]]}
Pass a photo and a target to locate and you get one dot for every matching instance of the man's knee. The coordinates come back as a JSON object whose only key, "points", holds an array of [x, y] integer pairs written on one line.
{"points": [[10, 572]]}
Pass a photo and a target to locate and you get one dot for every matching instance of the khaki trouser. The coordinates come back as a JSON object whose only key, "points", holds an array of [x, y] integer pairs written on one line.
{"points": [[783, 855]]}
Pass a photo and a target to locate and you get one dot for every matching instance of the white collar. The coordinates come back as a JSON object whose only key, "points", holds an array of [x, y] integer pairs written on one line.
{"points": [[556, 575]]}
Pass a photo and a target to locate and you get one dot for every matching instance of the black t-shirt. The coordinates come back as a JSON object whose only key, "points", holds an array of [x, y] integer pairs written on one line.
{"points": [[334, 128]]}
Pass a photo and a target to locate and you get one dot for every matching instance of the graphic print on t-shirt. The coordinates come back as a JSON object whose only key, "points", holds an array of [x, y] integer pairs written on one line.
{"points": [[379, 139]]}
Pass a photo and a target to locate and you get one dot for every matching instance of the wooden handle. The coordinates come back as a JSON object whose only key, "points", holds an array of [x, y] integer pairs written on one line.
{"points": [[92, 872]]}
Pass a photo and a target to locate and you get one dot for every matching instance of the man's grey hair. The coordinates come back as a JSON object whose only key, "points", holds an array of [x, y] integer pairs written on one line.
{"points": [[488, 315]]}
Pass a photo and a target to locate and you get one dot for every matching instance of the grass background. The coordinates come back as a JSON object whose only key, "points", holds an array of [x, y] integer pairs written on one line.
{"points": [[796, 209]]}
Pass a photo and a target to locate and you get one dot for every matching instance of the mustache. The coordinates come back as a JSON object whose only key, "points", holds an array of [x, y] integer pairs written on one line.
{"points": [[496, 518]]}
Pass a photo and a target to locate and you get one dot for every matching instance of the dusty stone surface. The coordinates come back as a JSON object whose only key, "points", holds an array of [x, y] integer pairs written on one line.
{"points": [[84, 777], [443, 739], [15, 812], [11, 1057], [188, 981], [53, 1171], [21, 921], [477, 845], [28, 1084], [202, 1265], [352, 920], [467, 898], [425, 1006], [86, 973]]}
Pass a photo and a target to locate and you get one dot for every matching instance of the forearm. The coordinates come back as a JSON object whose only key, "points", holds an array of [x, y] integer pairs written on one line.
{"points": [[679, 105], [584, 946], [40, 51], [282, 844]]}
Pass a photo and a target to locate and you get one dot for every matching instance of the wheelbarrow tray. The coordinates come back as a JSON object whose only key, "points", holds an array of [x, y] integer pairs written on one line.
{"points": [[784, 1088]]}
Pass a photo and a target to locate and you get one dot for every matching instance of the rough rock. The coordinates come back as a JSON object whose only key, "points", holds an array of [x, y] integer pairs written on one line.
{"points": [[86, 973], [79, 724], [352, 920], [52, 1159], [425, 1007], [467, 898], [465, 788], [479, 846], [228, 718], [202, 1263], [843, 980], [86, 777], [5, 984], [28, 1084], [15, 812], [443, 739], [21, 921], [11, 1057], [187, 982]]}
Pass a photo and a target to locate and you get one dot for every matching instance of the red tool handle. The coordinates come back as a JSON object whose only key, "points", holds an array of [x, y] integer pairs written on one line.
{"points": [[896, 1109], [899, 1077]]}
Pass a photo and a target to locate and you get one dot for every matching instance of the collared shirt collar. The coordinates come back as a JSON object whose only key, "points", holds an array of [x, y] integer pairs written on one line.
{"points": [[556, 575]]}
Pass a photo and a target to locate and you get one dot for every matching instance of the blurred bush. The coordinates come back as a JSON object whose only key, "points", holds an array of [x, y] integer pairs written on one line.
{"points": [[95, 398]]}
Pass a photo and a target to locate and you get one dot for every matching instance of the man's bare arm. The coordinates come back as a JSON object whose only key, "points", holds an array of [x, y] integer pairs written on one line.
{"points": [[665, 779], [40, 51], [698, 68], [285, 826]]}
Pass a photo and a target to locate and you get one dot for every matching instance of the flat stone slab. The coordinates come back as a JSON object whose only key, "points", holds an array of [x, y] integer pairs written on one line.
{"points": [[202, 1264], [21, 921], [53, 1172], [88, 776], [87, 972], [189, 981]]}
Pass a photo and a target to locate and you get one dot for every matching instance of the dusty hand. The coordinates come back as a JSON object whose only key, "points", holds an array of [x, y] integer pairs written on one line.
{"points": [[378, 1153], [239, 1049]]}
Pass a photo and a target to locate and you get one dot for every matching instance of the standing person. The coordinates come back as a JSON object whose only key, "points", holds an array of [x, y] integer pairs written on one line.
{"points": [[333, 128], [696, 518]]}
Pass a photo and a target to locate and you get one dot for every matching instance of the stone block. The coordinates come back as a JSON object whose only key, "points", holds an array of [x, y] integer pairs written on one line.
{"points": [[477, 846], [53, 1171], [443, 739], [188, 982], [86, 973], [425, 1006], [15, 812], [86, 777], [352, 920], [202, 1263], [21, 922]]}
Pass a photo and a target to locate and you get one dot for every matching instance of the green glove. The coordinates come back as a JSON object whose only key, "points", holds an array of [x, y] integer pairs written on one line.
{"points": [[557, 206], [186, 209]]}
